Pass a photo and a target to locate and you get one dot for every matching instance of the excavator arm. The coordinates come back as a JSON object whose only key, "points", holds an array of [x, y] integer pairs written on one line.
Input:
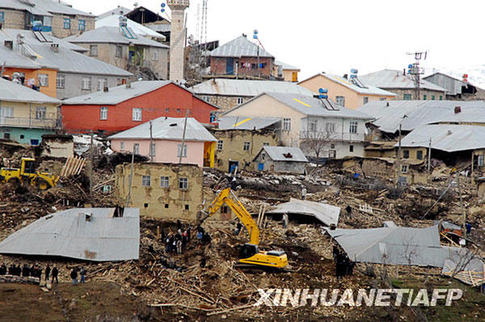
{"points": [[228, 197]]}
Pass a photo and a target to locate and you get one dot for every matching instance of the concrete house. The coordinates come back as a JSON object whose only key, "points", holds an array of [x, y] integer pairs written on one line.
{"points": [[122, 47], [26, 114], [280, 159], [139, 29], [228, 93], [240, 139], [55, 66], [164, 191], [120, 108], [321, 128], [346, 91], [455, 88], [240, 58], [166, 139], [403, 85], [286, 72], [46, 16]]}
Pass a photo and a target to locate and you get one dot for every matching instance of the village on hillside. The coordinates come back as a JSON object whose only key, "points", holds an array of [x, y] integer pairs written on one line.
{"points": [[146, 174]]}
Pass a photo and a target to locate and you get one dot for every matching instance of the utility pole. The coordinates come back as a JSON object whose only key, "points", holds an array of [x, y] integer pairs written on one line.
{"points": [[256, 37], [399, 157], [152, 150], [416, 71], [461, 203], [182, 148], [429, 157], [130, 183], [91, 154]]}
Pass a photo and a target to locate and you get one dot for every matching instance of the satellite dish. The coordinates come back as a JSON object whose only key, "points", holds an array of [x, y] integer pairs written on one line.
{"points": [[323, 91]]}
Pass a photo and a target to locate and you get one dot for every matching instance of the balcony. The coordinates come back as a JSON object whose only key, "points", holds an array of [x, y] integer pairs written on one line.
{"points": [[30, 122]]}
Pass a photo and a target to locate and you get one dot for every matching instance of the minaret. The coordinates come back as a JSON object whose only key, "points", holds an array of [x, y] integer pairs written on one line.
{"points": [[177, 38]]}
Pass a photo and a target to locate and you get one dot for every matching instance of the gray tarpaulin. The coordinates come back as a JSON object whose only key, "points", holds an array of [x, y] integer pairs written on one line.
{"points": [[92, 234]]}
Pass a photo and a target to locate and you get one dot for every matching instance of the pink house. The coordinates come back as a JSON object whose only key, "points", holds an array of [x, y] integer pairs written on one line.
{"points": [[166, 141]]}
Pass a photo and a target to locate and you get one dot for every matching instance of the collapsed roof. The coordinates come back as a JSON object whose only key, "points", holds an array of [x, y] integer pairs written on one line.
{"points": [[92, 234], [325, 213]]}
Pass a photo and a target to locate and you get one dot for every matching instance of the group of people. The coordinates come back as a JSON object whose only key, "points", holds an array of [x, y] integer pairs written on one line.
{"points": [[343, 265], [176, 243], [82, 274], [33, 271]]}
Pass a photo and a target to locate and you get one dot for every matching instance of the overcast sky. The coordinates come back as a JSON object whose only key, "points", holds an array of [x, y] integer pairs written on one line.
{"points": [[337, 35]]}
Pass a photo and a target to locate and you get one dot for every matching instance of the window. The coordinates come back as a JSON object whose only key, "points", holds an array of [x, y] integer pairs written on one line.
{"points": [[404, 168], [432, 97], [407, 97], [145, 181], [82, 25], [178, 111], [240, 100], [332, 146], [286, 124], [340, 100], [6, 136], [40, 112], [220, 145], [419, 155], [425, 97], [5, 112], [351, 148], [382, 99], [312, 126], [67, 23], [186, 207], [405, 154], [265, 144], [183, 183], [441, 98], [167, 110], [481, 160], [103, 115], [93, 50], [122, 146], [136, 148], [353, 127], [366, 100], [246, 146], [180, 152], [2, 16], [137, 114], [155, 54], [102, 83], [43, 80], [330, 127], [164, 183], [86, 84], [60, 81], [119, 52], [152, 149]]}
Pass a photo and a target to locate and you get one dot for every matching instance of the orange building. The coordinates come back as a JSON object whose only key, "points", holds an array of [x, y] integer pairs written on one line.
{"points": [[44, 77]]}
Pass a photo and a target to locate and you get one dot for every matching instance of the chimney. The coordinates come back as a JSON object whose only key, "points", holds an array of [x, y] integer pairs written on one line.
{"points": [[55, 48], [346, 76], [457, 109], [404, 71], [106, 89], [8, 44]]}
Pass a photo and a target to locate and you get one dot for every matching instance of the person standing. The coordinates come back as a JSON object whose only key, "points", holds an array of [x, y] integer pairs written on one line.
{"points": [[55, 273], [74, 276], [83, 274], [47, 273], [285, 221]]}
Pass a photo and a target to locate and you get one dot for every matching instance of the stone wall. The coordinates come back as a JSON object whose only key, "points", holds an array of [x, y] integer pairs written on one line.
{"points": [[59, 31], [14, 19], [219, 66]]}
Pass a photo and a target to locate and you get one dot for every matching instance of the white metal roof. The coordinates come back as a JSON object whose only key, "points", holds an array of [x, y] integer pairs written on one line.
{"points": [[114, 21], [395, 79], [91, 234], [325, 213], [246, 123], [240, 47], [118, 94], [168, 128], [13, 92], [42, 7], [113, 35], [120, 10], [284, 153], [249, 88], [286, 66], [412, 114], [446, 137]]}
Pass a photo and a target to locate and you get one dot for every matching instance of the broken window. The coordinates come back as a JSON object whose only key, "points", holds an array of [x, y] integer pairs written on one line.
{"points": [[145, 181], [103, 115], [353, 127], [183, 183], [351, 148], [286, 124], [246, 146], [164, 182], [220, 145]]}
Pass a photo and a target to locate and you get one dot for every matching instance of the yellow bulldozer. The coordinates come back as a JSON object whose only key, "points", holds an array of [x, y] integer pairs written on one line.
{"points": [[27, 174]]}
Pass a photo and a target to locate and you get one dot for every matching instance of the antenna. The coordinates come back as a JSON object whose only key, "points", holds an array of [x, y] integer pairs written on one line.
{"points": [[416, 71]]}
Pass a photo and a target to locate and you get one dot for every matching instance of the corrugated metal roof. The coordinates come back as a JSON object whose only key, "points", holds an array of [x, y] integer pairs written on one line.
{"points": [[69, 234], [286, 66], [246, 123], [161, 27], [42, 7], [120, 10], [118, 94], [368, 89], [30, 38], [24, 6], [277, 153], [113, 35], [325, 213], [114, 21], [12, 92], [445, 137], [312, 106], [389, 114], [240, 47], [64, 60], [395, 79], [250, 88], [168, 128]]}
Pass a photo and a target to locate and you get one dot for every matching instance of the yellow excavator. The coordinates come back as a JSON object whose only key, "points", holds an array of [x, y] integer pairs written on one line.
{"points": [[250, 253], [28, 174]]}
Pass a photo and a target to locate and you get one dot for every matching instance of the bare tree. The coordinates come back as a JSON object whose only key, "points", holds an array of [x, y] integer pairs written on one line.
{"points": [[316, 141]]}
